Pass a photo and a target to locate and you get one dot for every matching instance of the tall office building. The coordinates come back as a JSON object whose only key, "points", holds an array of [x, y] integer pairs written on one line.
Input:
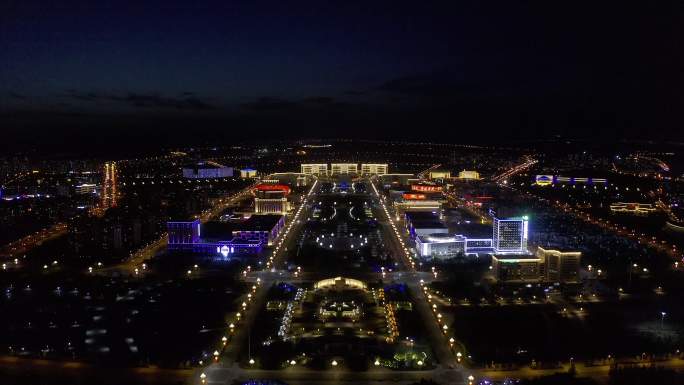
{"points": [[510, 235]]}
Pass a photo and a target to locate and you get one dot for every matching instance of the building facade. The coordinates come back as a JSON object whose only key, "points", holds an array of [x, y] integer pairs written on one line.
{"points": [[314, 168], [344, 168], [468, 175], [516, 268], [374, 168], [440, 245], [271, 205], [247, 173], [510, 235], [203, 170], [560, 266]]}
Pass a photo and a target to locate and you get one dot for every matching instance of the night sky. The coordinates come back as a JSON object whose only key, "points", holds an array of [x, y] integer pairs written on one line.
{"points": [[101, 73]]}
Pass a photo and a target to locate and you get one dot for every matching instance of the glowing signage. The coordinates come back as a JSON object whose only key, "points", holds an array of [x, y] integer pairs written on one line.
{"points": [[544, 180], [414, 197], [425, 188], [273, 187]]}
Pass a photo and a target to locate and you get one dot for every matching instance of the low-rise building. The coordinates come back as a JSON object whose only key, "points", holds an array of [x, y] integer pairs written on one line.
{"points": [[516, 268], [374, 168], [468, 175], [247, 173], [207, 169], [314, 168], [344, 168], [560, 266]]}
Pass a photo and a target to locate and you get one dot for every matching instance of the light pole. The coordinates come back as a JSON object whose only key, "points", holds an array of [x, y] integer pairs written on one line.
{"points": [[662, 320]]}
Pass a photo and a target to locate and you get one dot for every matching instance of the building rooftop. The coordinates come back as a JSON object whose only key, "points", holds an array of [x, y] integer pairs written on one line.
{"points": [[217, 231], [421, 216], [204, 165], [441, 238], [258, 223], [516, 257]]}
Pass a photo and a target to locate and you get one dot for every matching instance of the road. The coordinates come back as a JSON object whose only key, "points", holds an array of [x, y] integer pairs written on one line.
{"points": [[25, 244], [227, 370]]}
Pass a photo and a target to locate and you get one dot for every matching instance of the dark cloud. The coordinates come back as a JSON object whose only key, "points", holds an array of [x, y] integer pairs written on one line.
{"points": [[158, 101], [355, 93], [141, 100], [430, 85], [15, 95], [84, 96], [268, 104], [319, 100]]}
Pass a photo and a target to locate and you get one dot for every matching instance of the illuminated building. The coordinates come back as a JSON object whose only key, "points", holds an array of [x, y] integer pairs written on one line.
{"points": [[223, 240], [516, 268], [207, 170], [546, 265], [263, 227], [86, 188], [510, 235], [247, 173], [414, 205], [271, 205], [440, 245], [183, 232], [314, 168], [444, 246], [344, 168], [468, 175], [340, 283], [374, 168], [440, 174], [639, 209], [545, 180], [560, 266], [266, 188]]}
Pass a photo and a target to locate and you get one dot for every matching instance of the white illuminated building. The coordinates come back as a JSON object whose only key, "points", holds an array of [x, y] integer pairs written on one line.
{"points": [[440, 245], [374, 168], [314, 168], [510, 235], [344, 168], [271, 205]]}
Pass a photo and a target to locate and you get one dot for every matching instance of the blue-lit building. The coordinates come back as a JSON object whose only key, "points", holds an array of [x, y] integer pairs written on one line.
{"points": [[225, 239]]}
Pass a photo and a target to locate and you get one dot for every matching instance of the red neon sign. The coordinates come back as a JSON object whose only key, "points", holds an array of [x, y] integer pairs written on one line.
{"points": [[425, 188], [273, 187]]}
